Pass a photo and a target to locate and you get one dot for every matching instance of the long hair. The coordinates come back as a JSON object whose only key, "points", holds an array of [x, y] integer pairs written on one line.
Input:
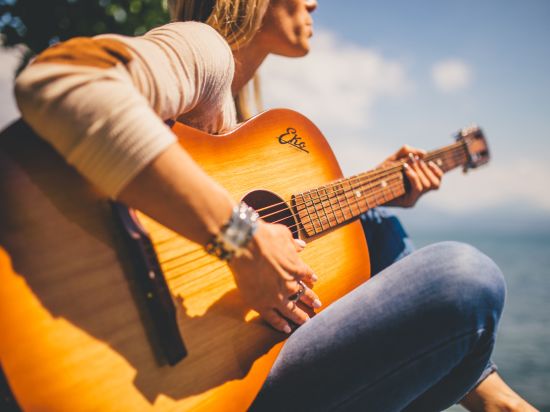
{"points": [[237, 21]]}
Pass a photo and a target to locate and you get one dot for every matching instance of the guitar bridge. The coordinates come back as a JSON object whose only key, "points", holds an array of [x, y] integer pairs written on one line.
{"points": [[152, 285]]}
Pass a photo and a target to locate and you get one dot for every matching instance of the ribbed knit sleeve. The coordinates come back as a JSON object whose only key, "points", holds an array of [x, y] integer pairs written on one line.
{"points": [[96, 119], [107, 120]]}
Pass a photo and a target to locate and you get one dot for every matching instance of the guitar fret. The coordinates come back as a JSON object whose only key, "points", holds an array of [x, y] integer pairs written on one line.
{"points": [[335, 203], [318, 203], [311, 221], [356, 195], [449, 158], [391, 191], [340, 204], [440, 162], [335, 187], [314, 205], [384, 185], [368, 190], [342, 217], [377, 194], [321, 203], [329, 199], [367, 201], [321, 208], [332, 221], [344, 192], [371, 189], [349, 190]]}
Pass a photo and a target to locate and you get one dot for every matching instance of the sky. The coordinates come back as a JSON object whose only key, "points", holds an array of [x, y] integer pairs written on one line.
{"points": [[383, 74]]}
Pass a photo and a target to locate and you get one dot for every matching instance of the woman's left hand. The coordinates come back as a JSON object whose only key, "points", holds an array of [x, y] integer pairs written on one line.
{"points": [[422, 176]]}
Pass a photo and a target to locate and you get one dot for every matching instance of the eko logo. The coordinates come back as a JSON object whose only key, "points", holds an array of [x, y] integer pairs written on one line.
{"points": [[291, 137]]}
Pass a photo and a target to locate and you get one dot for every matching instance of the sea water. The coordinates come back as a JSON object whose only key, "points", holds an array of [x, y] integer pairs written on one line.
{"points": [[522, 352]]}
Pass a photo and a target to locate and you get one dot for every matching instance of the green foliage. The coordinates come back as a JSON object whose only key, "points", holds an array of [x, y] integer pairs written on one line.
{"points": [[40, 23]]}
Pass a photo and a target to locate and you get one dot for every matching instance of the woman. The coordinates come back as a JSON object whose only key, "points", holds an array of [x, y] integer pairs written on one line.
{"points": [[102, 104]]}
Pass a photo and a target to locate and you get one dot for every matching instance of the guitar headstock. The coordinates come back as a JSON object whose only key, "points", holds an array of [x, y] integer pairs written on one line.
{"points": [[476, 146]]}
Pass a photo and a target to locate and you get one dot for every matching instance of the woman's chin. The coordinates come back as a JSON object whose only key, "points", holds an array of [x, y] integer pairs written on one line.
{"points": [[297, 50]]}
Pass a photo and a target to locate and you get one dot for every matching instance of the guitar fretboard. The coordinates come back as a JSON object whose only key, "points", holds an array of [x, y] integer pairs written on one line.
{"points": [[328, 206]]}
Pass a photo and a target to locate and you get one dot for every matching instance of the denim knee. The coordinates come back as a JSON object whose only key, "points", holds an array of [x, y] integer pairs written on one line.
{"points": [[471, 281]]}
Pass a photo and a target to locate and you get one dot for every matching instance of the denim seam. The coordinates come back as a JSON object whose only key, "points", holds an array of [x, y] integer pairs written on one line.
{"points": [[407, 363]]}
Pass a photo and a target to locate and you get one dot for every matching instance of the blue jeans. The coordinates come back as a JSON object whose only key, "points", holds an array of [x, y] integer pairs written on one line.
{"points": [[388, 242], [416, 337]]}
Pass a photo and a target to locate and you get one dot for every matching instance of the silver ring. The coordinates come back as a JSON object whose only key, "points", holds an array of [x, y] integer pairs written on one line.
{"points": [[298, 295]]}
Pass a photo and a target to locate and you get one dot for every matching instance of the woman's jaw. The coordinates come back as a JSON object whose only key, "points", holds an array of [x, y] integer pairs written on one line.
{"points": [[287, 27]]}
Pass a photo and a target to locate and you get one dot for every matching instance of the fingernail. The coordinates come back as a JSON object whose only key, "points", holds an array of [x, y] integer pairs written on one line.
{"points": [[287, 329], [314, 277], [406, 165], [411, 156], [317, 303], [417, 158], [300, 242]]}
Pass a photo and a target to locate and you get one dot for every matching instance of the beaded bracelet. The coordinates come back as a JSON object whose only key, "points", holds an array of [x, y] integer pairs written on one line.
{"points": [[235, 235]]}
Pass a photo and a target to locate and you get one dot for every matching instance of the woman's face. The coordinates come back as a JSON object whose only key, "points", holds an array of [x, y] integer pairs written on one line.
{"points": [[287, 27]]}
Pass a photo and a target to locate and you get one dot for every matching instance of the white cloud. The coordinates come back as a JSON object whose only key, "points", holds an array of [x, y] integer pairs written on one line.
{"points": [[336, 84], [451, 75], [339, 84], [520, 181]]}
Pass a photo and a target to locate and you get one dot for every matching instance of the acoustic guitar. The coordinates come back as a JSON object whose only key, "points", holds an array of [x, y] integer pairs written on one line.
{"points": [[104, 309]]}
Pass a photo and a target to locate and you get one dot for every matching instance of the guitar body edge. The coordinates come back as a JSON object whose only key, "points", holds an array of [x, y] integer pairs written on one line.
{"points": [[74, 334]]}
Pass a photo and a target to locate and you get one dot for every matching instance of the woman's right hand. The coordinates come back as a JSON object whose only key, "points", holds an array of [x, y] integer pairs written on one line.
{"points": [[267, 274], [268, 271]]}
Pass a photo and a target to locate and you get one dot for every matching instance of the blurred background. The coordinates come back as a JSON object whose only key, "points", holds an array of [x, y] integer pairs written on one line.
{"points": [[382, 74]]}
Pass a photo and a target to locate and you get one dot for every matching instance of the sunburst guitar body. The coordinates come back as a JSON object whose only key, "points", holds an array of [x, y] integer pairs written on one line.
{"points": [[104, 309]]}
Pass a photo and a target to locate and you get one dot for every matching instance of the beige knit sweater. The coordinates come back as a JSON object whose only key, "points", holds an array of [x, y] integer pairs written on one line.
{"points": [[105, 113]]}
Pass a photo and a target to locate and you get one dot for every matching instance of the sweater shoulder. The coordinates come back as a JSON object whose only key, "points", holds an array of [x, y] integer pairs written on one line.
{"points": [[200, 38]]}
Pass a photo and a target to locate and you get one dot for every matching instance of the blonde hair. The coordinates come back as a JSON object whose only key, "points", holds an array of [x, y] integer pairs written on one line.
{"points": [[237, 21]]}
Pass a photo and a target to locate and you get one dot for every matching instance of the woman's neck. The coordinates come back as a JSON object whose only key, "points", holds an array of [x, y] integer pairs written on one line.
{"points": [[247, 61]]}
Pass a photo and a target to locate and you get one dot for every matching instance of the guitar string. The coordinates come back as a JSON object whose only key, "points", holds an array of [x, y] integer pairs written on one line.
{"points": [[174, 286], [202, 255], [372, 195], [324, 220], [369, 196], [366, 177], [173, 273], [207, 258], [327, 196], [168, 272], [328, 202], [323, 197], [322, 194], [320, 220], [360, 180]]}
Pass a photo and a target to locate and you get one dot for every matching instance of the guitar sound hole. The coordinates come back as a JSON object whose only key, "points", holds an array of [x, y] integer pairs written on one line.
{"points": [[272, 209]]}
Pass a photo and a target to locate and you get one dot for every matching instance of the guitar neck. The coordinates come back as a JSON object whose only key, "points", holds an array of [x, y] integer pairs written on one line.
{"points": [[338, 202]]}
